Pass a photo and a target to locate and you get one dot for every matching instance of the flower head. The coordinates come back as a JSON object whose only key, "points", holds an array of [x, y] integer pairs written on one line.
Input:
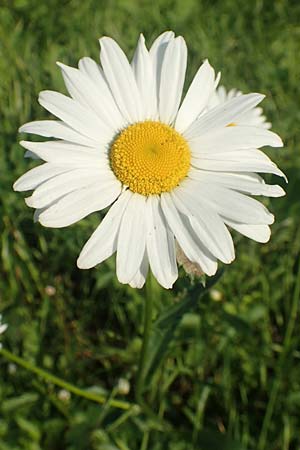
{"points": [[171, 172]]}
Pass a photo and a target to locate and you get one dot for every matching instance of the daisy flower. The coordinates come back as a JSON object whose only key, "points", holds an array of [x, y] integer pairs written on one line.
{"points": [[253, 117], [172, 174]]}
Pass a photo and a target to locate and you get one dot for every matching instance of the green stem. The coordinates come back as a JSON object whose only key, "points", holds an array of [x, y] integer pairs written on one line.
{"points": [[145, 344], [64, 384]]}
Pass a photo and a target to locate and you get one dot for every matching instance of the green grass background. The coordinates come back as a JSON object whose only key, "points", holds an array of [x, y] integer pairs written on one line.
{"points": [[231, 379]]}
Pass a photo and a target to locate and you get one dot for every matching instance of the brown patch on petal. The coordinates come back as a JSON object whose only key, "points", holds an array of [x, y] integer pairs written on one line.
{"points": [[190, 267]]}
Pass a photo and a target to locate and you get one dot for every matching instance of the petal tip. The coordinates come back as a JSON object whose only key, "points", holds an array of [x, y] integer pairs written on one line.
{"points": [[272, 219], [276, 141], [105, 39], [142, 38], [15, 186], [22, 128], [29, 201], [278, 191], [137, 285], [212, 272], [181, 41], [23, 143], [81, 264], [266, 238], [262, 96]]}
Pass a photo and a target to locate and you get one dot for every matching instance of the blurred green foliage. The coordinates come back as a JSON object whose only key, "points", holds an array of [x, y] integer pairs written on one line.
{"points": [[231, 379]]}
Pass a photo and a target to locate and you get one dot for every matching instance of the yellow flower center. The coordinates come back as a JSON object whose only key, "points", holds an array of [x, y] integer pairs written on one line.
{"points": [[150, 157]]}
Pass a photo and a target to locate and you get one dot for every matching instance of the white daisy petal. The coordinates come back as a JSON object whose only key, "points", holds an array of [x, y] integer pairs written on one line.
{"points": [[82, 90], [248, 183], [205, 259], [34, 177], [90, 68], [101, 90], [222, 115], [222, 95], [157, 54], [206, 223], [56, 129], [234, 205], [132, 239], [160, 245], [259, 233], [75, 115], [57, 187], [144, 74], [172, 79], [161, 41], [80, 203], [120, 78], [103, 242], [238, 161], [66, 153], [233, 138], [139, 278], [186, 238], [197, 97], [253, 117]]}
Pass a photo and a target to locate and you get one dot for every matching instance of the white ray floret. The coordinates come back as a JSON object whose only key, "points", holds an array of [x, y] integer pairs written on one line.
{"points": [[176, 174], [253, 117]]}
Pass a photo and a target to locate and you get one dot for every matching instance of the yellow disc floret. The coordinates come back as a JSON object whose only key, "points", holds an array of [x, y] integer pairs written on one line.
{"points": [[150, 157]]}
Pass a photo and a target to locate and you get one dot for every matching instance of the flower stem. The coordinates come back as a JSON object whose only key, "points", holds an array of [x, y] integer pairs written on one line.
{"points": [[145, 344], [64, 384]]}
